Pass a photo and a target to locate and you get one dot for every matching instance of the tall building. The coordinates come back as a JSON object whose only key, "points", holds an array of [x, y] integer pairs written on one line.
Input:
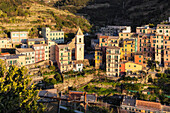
{"points": [[166, 51], [98, 57], [63, 57], [57, 36], [19, 36], [79, 45], [112, 61]]}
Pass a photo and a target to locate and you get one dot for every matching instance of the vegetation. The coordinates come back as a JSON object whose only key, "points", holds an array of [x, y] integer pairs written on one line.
{"points": [[16, 92]]}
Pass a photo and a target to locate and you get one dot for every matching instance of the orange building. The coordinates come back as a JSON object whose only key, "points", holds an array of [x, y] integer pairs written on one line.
{"points": [[138, 59], [122, 68]]}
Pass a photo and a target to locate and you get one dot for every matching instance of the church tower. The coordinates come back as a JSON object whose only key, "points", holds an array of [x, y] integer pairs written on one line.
{"points": [[79, 45]]}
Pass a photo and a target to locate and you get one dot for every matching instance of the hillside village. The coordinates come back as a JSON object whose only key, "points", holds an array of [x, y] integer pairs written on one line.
{"points": [[133, 65]]}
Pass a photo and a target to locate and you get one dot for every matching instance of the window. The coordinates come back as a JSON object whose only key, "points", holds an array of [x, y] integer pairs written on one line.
{"points": [[119, 65], [134, 65], [61, 54], [103, 40], [121, 34], [108, 70], [79, 40], [79, 49], [61, 58], [139, 56], [125, 45], [125, 49], [127, 35], [139, 60], [97, 58], [131, 50], [129, 65]]}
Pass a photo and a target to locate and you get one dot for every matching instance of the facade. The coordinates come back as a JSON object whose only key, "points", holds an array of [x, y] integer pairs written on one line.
{"points": [[163, 29], [105, 41], [128, 49], [63, 57], [29, 53], [5, 43], [138, 59], [40, 50], [114, 30], [131, 67], [31, 42], [18, 60], [112, 61], [51, 49], [166, 51], [19, 36], [122, 68], [145, 30], [79, 45], [57, 36], [98, 57], [125, 35], [77, 65]]}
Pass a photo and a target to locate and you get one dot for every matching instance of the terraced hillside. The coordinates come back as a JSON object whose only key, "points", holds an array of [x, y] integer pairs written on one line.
{"points": [[30, 15], [120, 12]]}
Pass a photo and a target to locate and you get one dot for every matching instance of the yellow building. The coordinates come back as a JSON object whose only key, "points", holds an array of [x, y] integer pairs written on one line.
{"points": [[125, 35], [98, 57], [128, 49], [63, 57], [131, 67], [31, 42]]}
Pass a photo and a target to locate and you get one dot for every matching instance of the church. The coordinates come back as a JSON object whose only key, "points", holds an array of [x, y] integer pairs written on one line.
{"points": [[70, 56]]}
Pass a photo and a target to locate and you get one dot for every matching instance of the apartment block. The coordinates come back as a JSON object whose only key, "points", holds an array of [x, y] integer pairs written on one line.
{"points": [[128, 49], [114, 30], [112, 61], [105, 41], [31, 42], [40, 52], [29, 53], [166, 51], [19, 36], [63, 57], [163, 29], [51, 48], [159, 49], [18, 60], [57, 36], [145, 30], [5, 43], [98, 57], [146, 45]]}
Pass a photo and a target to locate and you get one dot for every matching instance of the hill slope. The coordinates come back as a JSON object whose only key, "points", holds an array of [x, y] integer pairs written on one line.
{"points": [[120, 12], [30, 15]]}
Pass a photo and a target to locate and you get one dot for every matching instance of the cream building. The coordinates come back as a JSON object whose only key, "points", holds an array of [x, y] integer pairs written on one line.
{"points": [[79, 47], [5, 43], [163, 29], [57, 36], [51, 49], [112, 61], [29, 53]]}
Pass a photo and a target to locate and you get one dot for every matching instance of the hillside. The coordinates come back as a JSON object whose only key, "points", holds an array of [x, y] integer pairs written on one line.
{"points": [[31, 14], [119, 12]]}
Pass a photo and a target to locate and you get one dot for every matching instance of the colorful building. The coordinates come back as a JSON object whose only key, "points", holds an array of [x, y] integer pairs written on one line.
{"points": [[19, 36], [138, 58], [5, 43], [17, 60], [31, 42], [163, 29], [63, 57], [40, 54], [166, 51], [145, 30], [29, 54], [112, 61], [128, 49], [131, 67], [105, 41], [98, 57], [56, 36]]}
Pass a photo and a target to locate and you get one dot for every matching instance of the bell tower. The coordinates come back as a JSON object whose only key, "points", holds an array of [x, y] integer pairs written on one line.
{"points": [[79, 45]]}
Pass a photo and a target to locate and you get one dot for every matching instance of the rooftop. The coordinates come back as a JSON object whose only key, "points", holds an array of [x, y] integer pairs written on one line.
{"points": [[62, 45], [24, 50], [79, 32], [36, 39], [10, 57]]}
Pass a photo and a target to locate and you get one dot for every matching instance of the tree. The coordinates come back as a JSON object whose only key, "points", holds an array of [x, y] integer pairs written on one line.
{"points": [[16, 93]]}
